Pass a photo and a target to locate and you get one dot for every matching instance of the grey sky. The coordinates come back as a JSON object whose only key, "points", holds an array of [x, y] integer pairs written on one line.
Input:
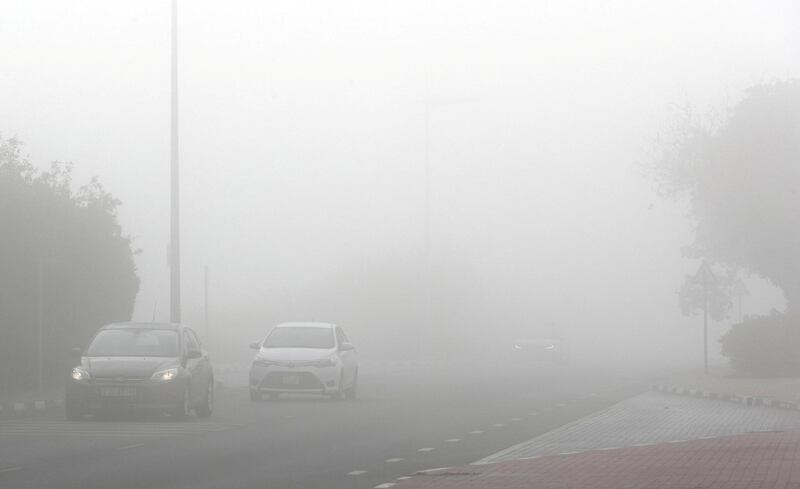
{"points": [[302, 132]]}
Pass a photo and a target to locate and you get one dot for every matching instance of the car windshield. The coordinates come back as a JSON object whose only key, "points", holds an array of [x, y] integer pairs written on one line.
{"points": [[134, 342], [300, 337]]}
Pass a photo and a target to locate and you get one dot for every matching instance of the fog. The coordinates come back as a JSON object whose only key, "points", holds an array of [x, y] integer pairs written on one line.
{"points": [[303, 146]]}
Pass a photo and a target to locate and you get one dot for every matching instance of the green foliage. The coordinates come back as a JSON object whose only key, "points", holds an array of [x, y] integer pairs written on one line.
{"points": [[88, 271], [764, 346], [741, 176]]}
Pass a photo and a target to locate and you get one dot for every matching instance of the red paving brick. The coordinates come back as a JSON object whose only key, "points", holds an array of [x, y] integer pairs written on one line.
{"points": [[755, 460]]}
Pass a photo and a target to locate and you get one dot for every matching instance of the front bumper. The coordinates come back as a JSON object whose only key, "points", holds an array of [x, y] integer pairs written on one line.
{"points": [[96, 396], [299, 379]]}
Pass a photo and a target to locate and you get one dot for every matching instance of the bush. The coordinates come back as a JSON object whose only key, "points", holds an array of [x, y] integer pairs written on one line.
{"points": [[764, 346]]}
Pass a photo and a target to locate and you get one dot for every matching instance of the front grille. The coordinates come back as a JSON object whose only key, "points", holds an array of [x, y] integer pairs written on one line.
{"points": [[305, 380], [118, 380]]}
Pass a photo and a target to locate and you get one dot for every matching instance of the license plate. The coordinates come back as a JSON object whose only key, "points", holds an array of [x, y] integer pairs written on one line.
{"points": [[118, 392], [291, 379]]}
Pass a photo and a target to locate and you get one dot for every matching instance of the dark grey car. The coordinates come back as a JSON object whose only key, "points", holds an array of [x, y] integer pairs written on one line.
{"points": [[147, 366]]}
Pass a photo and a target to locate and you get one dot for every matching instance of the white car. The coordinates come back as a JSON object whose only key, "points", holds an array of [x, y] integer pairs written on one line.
{"points": [[541, 349], [304, 358]]}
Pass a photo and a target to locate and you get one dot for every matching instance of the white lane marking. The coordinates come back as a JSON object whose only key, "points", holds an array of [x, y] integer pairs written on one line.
{"points": [[533, 414], [432, 470], [569, 453], [676, 441], [393, 460], [452, 440], [404, 478], [385, 485], [10, 469], [609, 448], [476, 432], [530, 458], [128, 447], [498, 425], [516, 419], [357, 472], [427, 449], [561, 405]]}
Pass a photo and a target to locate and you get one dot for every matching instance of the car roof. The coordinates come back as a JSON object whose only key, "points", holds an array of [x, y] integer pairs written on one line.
{"points": [[307, 324], [138, 325]]}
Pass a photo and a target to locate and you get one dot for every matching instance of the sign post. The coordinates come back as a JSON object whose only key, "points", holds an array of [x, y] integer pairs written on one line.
{"points": [[706, 277]]}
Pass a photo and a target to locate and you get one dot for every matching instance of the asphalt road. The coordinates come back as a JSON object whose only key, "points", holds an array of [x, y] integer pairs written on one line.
{"points": [[405, 420]]}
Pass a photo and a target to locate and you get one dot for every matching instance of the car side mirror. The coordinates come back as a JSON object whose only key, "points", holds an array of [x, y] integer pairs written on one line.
{"points": [[192, 354], [346, 347], [76, 352], [255, 346]]}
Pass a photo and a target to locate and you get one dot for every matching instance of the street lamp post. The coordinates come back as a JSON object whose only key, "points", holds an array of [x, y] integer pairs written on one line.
{"points": [[426, 339], [175, 231]]}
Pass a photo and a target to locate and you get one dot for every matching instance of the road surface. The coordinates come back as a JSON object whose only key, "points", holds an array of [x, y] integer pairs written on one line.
{"points": [[405, 420]]}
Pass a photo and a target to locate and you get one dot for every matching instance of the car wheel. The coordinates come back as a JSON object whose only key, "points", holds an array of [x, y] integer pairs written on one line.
{"points": [[351, 392], [255, 395], [181, 411], [205, 408], [72, 410]]}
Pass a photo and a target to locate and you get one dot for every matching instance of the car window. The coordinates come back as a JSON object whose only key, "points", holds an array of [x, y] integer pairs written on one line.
{"points": [[340, 335], [134, 342], [195, 338], [191, 344], [300, 337]]}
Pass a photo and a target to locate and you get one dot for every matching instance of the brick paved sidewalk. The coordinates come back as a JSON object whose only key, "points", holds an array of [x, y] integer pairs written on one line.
{"points": [[749, 461], [652, 418]]}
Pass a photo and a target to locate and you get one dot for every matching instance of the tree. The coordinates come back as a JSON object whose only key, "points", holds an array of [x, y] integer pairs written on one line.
{"points": [[742, 178], [73, 239]]}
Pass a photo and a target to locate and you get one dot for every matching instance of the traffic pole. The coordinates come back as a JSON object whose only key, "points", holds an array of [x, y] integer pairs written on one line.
{"points": [[205, 304], [40, 321], [705, 322]]}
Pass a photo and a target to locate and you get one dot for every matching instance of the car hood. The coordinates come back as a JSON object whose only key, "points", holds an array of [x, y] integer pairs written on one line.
{"points": [[295, 354], [126, 367]]}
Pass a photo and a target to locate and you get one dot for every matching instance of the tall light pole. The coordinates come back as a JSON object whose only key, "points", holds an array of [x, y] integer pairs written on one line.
{"points": [[427, 323], [175, 229], [426, 339]]}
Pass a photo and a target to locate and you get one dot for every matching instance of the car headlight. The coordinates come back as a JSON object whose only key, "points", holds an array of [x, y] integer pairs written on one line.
{"points": [[326, 362], [165, 375], [79, 373]]}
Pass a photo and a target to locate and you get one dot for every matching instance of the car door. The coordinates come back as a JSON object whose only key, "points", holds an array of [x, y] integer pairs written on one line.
{"points": [[348, 357], [197, 381], [205, 371]]}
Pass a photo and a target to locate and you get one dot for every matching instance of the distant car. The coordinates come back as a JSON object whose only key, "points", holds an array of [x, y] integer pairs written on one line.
{"points": [[141, 366], [304, 358], [541, 349]]}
